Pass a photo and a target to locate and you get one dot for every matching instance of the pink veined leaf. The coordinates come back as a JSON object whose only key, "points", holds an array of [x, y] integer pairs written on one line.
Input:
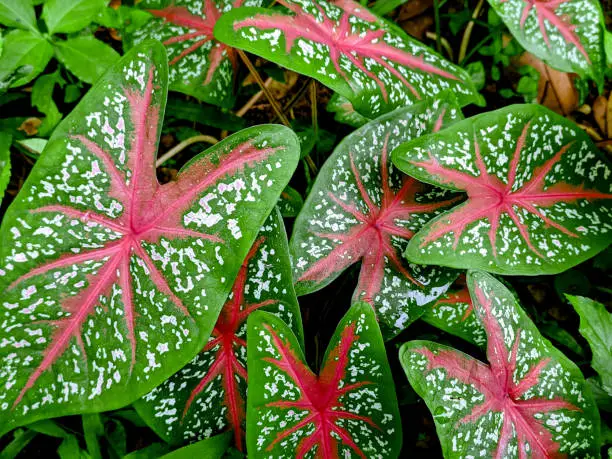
{"points": [[361, 209], [109, 281], [199, 65], [207, 396], [539, 193], [529, 401], [566, 34], [346, 47], [453, 312], [348, 410]]}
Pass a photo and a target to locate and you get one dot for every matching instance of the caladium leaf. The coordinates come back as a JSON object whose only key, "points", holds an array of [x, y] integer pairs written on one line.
{"points": [[596, 327], [199, 65], [348, 410], [361, 209], [566, 34], [345, 112], [538, 193], [290, 202], [529, 401], [110, 282], [454, 313], [208, 395], [344, 46]]}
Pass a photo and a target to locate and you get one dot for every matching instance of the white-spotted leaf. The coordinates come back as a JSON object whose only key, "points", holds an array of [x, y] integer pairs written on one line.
{"points": [[345, 112], [208, 395], [199, 65], [529, 401], [453, 312], [348, 410], [361, 209], [566, 34], [539, 193], [109, 281], [346, 47]]}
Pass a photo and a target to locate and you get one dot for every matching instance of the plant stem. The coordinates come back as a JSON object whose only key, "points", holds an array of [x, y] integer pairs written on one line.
{"points": [[279, 113], [437, 22], [444, 42], [253, 100], [184, 144], [468, 32]]}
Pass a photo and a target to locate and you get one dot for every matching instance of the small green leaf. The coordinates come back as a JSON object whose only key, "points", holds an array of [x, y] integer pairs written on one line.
{"points": [[290, 202], [93, 429], [70, 449], [477, 73], [5, 161], [66, 16], [23, 48], [596, 327], [18, 13], [208, 115], [209, 448], [42, 99], [48, 427], [21, 439], [86, 57]]}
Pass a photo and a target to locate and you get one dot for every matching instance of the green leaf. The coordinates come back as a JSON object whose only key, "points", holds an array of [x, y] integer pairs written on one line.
{"points": [[93, 428], [49, 428], [23, 48], [345, 112], [208, 395], [200, 65], [5, 161], [596, 327], [539, 193], [21, 439], [529, 401], [210, 448], [206, 114], [477, 73], [18, 13], [360, 209], [290, 202], [132, 273], [42, 99], [348, 410], [66, 16], [566, 34], [382, 7], [70, 449], [86, 57], [377, 66], [152, 451]]}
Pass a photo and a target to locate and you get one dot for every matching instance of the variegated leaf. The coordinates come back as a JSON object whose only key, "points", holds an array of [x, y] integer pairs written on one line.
{"points": [[566, 34], [453, 312], [345, 112], [346, 47], [360, 209], [110, 282], [199, 65], [539, 193], [529, 401], [290, 202], [208, 395], [348, 410]]}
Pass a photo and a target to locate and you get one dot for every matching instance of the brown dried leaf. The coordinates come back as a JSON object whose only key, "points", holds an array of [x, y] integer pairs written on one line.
{"points": [[30, 126], [413, 8], [600, 109], [556, 90]]}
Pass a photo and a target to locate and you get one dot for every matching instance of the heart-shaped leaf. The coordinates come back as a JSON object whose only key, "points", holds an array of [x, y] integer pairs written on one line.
{"points": [[538, 193], [362, 209], [348, 410], [454, 313], [344, 46], [530, 401], [566, 34], [110, 282], [199, 65], [208, 395]]}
